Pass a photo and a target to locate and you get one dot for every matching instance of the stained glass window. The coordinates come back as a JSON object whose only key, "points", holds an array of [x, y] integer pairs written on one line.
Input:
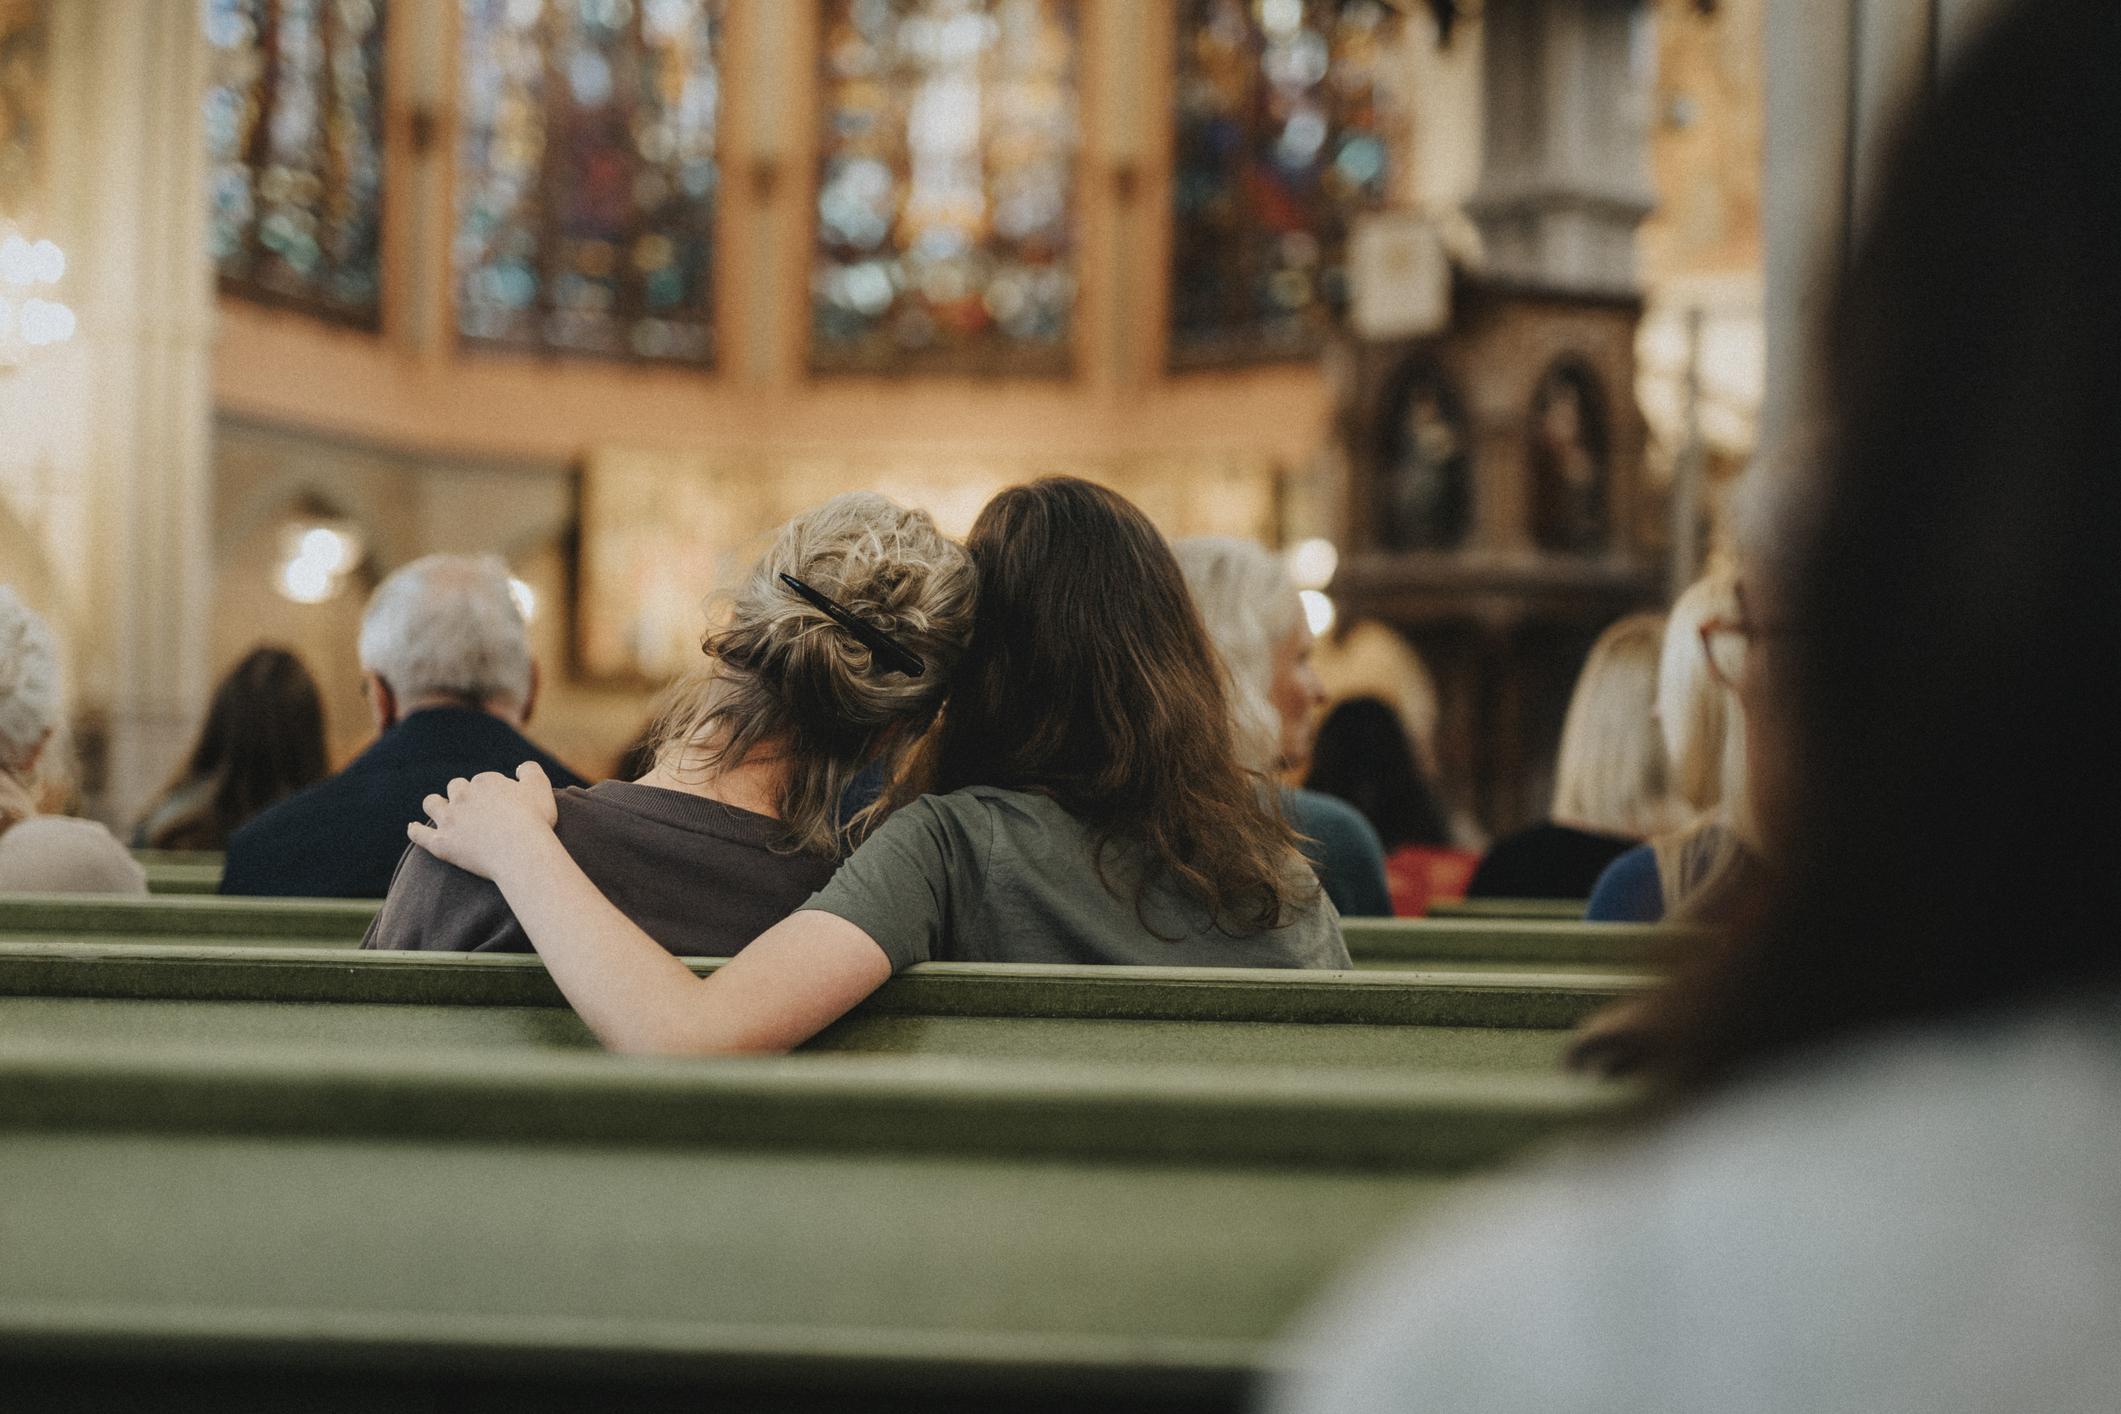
{"points": [[587, 177], [294, 142], [945, 201], [1280, 142]]}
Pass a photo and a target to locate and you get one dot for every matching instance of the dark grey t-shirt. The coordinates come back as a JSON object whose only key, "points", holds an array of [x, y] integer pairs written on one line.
{"points": [[987, 875], [700, 877]]}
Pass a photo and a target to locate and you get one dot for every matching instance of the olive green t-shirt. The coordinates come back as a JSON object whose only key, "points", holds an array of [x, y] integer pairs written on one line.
{"points": [[989, 875]]}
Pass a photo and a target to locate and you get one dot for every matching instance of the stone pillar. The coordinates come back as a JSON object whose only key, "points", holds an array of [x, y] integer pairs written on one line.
{"points": [[128, 171], [1565, 176]]}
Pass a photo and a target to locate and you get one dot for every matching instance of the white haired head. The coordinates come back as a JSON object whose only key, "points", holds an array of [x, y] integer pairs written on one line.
{"points": [[447, 626], [30, 699], [1250, 607]]}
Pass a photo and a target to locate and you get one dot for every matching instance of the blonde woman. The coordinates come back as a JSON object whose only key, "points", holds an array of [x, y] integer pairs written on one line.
{"points": [[1611, 786], [1703, 723], [42, 853], [736, 820], [1256, 622]]}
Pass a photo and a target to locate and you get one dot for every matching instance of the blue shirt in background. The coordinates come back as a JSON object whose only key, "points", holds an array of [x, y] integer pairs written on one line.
{"points": [[1629, 891]]}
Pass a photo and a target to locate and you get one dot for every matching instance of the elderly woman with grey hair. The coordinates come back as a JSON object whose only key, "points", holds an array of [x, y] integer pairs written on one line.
{"points": [[42, 853], [1256, 621]]}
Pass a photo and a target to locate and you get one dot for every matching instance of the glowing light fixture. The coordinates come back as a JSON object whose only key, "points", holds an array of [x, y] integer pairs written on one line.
{"points": [[30, 318], [317, 559], [1313, 563], [1319, 612]]}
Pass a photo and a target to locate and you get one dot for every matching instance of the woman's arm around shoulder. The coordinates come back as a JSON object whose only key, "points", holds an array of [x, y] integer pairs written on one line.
{"points": [[800, 976]]}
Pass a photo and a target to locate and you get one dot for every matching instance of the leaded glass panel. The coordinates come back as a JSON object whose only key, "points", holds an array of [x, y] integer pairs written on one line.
{"points": [[587, 179], [1280, 141], [946, 188], [294, 134]]}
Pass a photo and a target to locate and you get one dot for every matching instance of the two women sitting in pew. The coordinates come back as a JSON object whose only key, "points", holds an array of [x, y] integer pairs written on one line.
{"points": [[1080, 798]]}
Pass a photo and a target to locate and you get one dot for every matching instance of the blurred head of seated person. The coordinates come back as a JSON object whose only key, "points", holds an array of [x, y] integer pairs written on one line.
{"points": [[445, 661], [735, 818], [1364, 756], [1612, 787], [1889, 1182], [263, 740], [1080, 800], [1701, 710], [1256, 622], [39, 852]]}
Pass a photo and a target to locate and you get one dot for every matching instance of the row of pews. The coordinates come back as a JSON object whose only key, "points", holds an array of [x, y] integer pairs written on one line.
{"points": [[244, 1162]]}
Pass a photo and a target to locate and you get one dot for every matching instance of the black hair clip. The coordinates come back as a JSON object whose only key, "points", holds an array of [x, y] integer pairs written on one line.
{"points": [[889, 653]]}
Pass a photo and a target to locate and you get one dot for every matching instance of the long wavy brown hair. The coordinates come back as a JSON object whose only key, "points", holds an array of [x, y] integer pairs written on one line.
{"points": [[1090, 679]]}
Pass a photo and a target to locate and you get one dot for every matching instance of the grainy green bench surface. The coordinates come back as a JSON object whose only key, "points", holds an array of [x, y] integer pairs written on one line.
{"points": [[1511, 942], [1373, 942], [1508, 908], [231, 921], [164, 880], [902, 1230], [146, 996], [181, 871]]}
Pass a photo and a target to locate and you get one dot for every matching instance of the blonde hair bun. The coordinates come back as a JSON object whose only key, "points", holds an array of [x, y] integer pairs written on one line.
{"points": [[783, 667]]}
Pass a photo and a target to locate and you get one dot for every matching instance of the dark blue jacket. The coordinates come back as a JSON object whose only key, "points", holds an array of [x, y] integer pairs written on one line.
{"points": [[342, 837]]}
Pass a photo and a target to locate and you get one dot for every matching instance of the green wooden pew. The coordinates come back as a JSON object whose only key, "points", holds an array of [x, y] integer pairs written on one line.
{"points": [[1460, 944], [146, 996], [1511, 943], [367, 1231], [1508, 908], [181, 871], [262, 922]]}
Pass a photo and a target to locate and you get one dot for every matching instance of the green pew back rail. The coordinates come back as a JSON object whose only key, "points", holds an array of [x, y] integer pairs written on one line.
{"points": [[147, 996], [1509, 908], [181, 871], [819, 1232], [1372, 942]]}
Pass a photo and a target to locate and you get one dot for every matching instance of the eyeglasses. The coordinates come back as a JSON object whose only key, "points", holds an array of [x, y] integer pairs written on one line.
{"points": [[1723, 646], [1726, 641]]}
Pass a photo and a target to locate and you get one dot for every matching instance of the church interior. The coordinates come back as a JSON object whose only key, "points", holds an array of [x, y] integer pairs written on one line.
{"points": [[448, 298], [1054, 705]]}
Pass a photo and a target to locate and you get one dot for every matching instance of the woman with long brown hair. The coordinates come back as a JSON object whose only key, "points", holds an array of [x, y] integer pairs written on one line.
{"points": [[1080, 800], [262, 741], [1889, 1179]]}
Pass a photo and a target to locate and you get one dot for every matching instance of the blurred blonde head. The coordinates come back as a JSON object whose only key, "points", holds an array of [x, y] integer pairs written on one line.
{"points": [[1704, 733], [783, 675], [1612, 775]]}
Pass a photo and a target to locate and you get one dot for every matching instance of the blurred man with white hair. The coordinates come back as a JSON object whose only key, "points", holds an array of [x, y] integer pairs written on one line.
{"points": [[446, 666]]}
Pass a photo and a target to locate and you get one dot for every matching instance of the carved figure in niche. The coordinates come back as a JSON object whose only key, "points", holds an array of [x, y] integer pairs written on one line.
{"points": [[1568, 456], [1427, 465]]}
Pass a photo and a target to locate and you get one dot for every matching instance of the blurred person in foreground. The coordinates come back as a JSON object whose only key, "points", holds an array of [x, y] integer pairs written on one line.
{"points": [[1364, 755], [262, 741], [1256, 621], [39, 852], [1889, 1174], [447, 671], [1611, 781]]}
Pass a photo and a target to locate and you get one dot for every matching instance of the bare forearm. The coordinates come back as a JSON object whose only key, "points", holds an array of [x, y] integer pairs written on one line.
{"points": [[634, 995]]}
